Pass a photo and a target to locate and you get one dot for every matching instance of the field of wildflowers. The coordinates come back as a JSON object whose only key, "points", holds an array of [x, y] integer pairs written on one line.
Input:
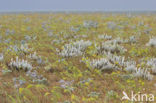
{"points": [[76, 58]]}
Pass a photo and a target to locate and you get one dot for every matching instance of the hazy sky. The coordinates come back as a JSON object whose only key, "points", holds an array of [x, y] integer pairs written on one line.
{"points": [[76, 5]]}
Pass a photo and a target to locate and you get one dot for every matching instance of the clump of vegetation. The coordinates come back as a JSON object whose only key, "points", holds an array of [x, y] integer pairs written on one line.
{"points": [[152, 42], [102, 64], [143, 73], [19, 65], [75, 49]]}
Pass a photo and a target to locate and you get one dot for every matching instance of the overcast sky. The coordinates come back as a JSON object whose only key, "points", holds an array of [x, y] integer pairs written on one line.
{"points": [[77, 5]]}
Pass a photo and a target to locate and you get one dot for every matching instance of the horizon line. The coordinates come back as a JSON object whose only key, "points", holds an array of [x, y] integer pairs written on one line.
{"points": [[78, 11]]}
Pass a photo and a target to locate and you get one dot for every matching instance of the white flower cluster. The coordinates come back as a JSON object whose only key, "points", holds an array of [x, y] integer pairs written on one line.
{"points": [[20, 64], [152, 42], [102, 64], [75, 49], [89, 24]]}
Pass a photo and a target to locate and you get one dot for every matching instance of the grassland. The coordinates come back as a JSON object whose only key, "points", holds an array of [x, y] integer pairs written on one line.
{"points": [[76, 58]]}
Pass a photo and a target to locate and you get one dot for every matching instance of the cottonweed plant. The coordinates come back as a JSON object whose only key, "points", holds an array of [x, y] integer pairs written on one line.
{"points": [[111, 25], [90, 24], [23, 48], [18, 82], [121, 62], [19, 65], [102, 64], [152, 42], [113, 48], [105, 36], [75, 49], [152, 64], [36, 77], [130, 66], [115, 59], [117, 41], [37, 58], [143, 73], [66, 84], [132, 39], [75, 30], [30, 38]]}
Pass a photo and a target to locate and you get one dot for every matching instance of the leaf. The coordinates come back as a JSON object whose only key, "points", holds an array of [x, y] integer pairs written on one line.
{"points": [[29, 86], [47, 93]]}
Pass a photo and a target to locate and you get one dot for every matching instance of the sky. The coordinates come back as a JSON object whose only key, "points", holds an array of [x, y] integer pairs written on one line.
{"points": [[77, 5]]}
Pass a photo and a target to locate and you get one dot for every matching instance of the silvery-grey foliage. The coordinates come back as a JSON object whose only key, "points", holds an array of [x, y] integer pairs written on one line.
{"points": [[75, 49], [84, 36], [111, 25], [41, 81], [7, 40], [152, 42], [89, 24], [20, 48], [113, 48], [141, 23], [131, 68], [29, 38], [85, 81], [9, 32], [36, 78], [5, 71], [152, 64], [57, 41], [153, 69], [20, 64], [102, 64], [117, 59], [24, 48], [75, 29], [66, 84], [117, 41], [129, 65], [1, 57], [105, 36], [148, 30], [50, 34], [33, 56], [37, 58], [132, 39], [18, 82], [143, 73]]}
